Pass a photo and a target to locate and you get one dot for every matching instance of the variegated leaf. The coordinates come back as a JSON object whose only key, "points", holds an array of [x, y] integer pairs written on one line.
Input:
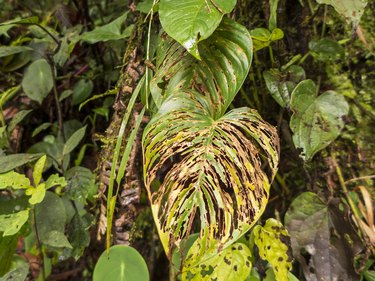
{"points": [[226, 59], [206, 168]]}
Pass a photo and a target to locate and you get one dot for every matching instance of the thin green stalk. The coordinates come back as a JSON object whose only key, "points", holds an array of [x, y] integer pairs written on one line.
{"points": [[324, 27], [38, 243]]}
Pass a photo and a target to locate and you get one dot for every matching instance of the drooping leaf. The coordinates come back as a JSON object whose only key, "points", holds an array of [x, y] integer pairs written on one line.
{"points": [[74, 140], [273, 242], [110, 31], [213, 167], [352, 10], [226, 60], [280, 84], [191, 21], [11, 50], [10, 162], [231, 264], [10, 224], [312, 243], [38, 80], [14, 180], [317, 120], [121, 263], [38, 169]]}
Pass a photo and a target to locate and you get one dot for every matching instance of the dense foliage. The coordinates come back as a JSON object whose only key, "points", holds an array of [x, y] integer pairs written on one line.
{"points": [[187, 140]]}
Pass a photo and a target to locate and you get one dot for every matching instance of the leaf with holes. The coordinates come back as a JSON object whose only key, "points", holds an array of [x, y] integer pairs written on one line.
{"points": [[226, 60], [316, 120], [14, 180], [191, 21], [273, 242], [231, 264], [10, 224], [210, 169]]}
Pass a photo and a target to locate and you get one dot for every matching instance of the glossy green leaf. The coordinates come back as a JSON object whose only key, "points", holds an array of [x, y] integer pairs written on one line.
{"points": [[226, 60], [74, 140], [10, 162], [37, 193], [14, 180], [352, 10], [38, 169], [56, 239], [82, 91], [122, 263], [11, 50], [327, 49], [273, 242], [191, 21], [316, 120], [38, 80], [230, 264], [10, 224], [280, 84], [108, 32], [262, 37], [208, 154]]}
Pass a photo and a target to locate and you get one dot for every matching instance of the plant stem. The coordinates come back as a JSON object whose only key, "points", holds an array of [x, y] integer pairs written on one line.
{"points": [[39, 245]]}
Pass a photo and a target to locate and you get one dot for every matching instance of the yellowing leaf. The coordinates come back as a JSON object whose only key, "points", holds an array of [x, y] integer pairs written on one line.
{"points": [[38, 169], [13, 180], [10, 224]]}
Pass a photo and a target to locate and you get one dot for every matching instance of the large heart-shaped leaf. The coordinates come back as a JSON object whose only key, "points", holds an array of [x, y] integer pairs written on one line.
{"points": [[191, 21], [317, 120], [226, 60], [208, 167]]}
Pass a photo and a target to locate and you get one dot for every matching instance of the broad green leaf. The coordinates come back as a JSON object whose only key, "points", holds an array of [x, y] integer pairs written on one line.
{"points": [[38, 169], [11, 50], [273, 242], [316, 120], [262, 37], [56, 239], [74, 140], [38, 80], [191, 21], [10, 162], [352, 10], [55, 180], [17, 119], [208, 154], [226, 60], [81, 183], [10, 224], [145, 6], [110, 31], [14, 180], [50, 215], [78, 235], [327, 49], [81, 91], [280, 84], [37, 193], [230, 264], [121, 263]]}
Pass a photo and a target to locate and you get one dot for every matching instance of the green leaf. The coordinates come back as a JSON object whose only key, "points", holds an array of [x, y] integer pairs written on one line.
{"points": [[50, 215], [18, 271], [41, 128], [352, 10], [231, 264], [17, 119], [272, 21], [208, 154], [14, 180], [110, 31], [121, 263], [38, 80], [28, 20], [78, 235], [11, 50], [10, 162], [327, 49], [81, 183], [179, 255], [226, 60], [38, 169], [37, 193], [56, 239], [316, 120], [81, 91], [262, 37], [10, 224], [55, 180], [280, 84], [8, 246], [145, 6], [191, 21], [273, 242], [74, 140]]}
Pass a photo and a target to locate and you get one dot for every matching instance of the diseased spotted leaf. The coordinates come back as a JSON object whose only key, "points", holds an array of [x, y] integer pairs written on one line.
{"points": [[226, 60], [273, 242], [14, 180], [231, 264], [209, 168], [10, 224]]}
